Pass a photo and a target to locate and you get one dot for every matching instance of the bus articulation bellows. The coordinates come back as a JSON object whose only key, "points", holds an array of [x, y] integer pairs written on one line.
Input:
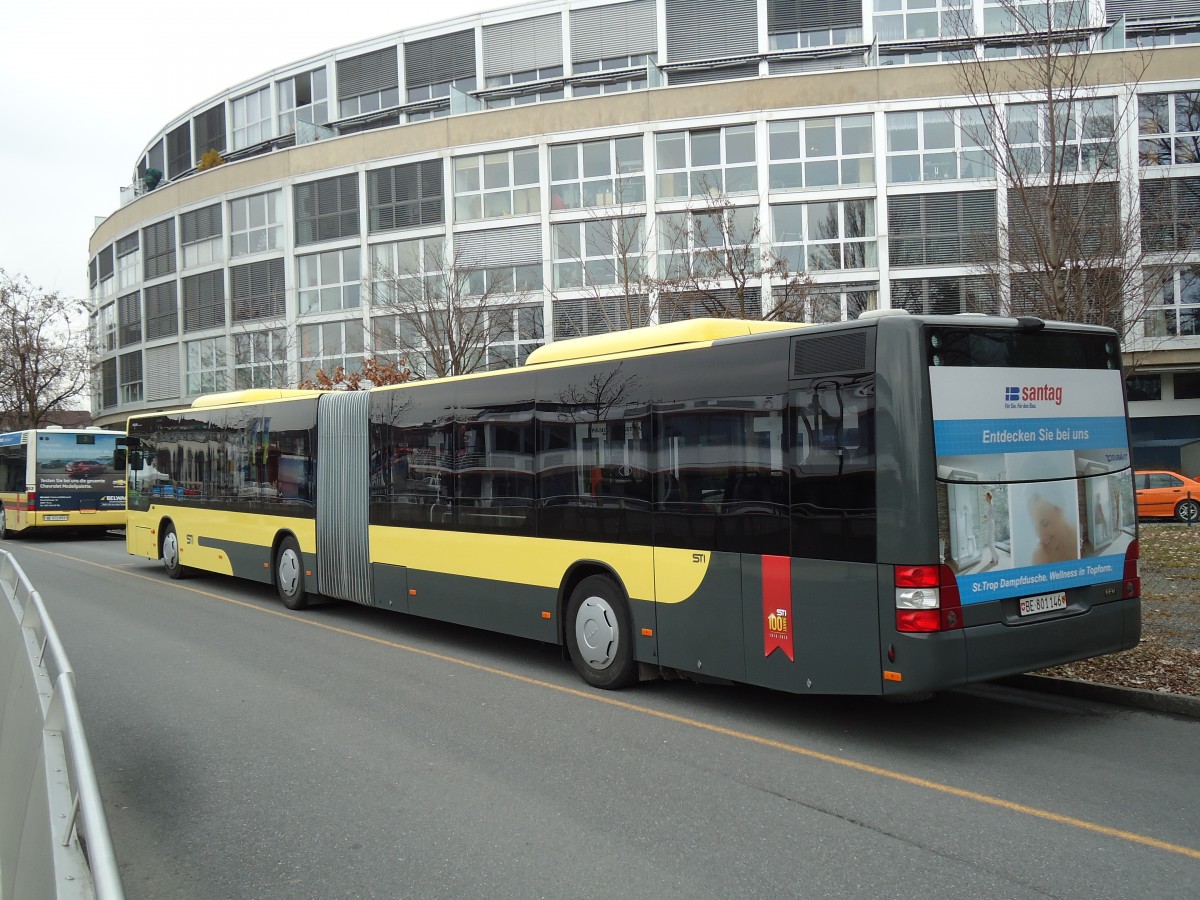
{"points": [[893, 505]]}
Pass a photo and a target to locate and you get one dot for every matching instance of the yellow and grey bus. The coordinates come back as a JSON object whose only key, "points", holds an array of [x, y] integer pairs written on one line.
{"points": [[892, 505], [61, 478]]}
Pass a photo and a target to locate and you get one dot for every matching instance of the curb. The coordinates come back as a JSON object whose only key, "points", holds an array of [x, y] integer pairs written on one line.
{"points": [[1178, 704]]}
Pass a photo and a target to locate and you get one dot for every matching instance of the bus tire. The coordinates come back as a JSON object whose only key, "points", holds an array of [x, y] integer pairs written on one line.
{"points": [[170, 553], [289, 574], [599, 635], [1187, 511], [3, 524]]}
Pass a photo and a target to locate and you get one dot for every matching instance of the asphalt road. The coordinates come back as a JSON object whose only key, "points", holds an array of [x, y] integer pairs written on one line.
{"points": [[245, 751]]}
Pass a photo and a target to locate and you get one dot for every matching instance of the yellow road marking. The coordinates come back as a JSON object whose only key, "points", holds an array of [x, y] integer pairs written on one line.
{"points": [[596, 697]]}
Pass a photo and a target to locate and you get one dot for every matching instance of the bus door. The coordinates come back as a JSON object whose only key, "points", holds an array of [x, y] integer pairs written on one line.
{"points": [[720, 500], [812, 609]]}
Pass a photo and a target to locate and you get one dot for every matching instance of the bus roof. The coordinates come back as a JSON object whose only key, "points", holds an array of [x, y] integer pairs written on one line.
{"points": [[251, 395], [689, 331]]}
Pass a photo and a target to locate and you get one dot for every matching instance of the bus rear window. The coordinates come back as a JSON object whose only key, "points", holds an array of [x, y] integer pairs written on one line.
{"points": [[958, 346]]}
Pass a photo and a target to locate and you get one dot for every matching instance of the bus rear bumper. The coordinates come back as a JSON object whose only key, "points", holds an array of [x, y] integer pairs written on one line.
{"points": [[997, 650]]}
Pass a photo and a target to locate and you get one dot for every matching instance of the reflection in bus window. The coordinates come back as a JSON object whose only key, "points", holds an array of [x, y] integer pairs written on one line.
{"points": [[833, 470]]}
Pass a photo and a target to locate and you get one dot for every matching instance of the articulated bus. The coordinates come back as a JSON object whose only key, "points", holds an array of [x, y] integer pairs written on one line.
{"points": [[888, 506], [61, 478]]}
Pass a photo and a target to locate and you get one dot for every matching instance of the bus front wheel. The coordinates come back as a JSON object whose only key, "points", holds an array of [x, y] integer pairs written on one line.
{"points": [[289, 574], [170, 553], [599, 635]]}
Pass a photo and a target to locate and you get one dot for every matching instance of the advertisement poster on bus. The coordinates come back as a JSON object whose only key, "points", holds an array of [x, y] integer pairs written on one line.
{"points": [[1036, 468], [75, 471]]}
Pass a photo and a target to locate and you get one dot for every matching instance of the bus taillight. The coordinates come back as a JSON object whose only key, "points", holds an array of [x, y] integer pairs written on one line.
{"points": [[1131, 581], [927, 599], [31, 502]]}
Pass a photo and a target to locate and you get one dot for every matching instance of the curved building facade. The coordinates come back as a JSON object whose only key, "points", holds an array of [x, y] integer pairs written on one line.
{"points": [[539, 154]]}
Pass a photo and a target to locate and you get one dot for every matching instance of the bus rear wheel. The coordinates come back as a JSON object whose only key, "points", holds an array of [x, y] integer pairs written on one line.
{"points": [[289, 574], [170, 553], [1187, 511], [599, 635]]}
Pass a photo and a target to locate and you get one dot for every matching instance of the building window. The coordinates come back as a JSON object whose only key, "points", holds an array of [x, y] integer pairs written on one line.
{"points": [[108, 383], [1169, 129], [1085, 131], [597, 252], [939, 145], [406, 196], [129, 318], [496, 184], [329, 281], [1016, 16], [827, 152], [327, 210], [106, 327], [708, 243], [944, 296], [813, 237], [922, 20], [179, 150], [406, 271], [597, 173], [200, 236], [158, 242], [942, 229], [1170, 209], [839, 302], [609, 75], [204, 300], [256, 224], [1143, 387], [108, 284], [206, 368], [129, 262], [257, 290], [131, 377], [513, 332], [368, 83], [162, 311], [260, 359], [303, 98], [329, 345], [705, 162], [252, 118], [1173, 302], [1186, 385]]}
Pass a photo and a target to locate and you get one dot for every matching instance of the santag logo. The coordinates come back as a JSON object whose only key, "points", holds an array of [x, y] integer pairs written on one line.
{"points": [[1032, 396]]}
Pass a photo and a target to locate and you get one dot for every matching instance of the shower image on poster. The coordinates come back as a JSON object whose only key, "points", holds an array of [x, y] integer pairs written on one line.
{"points": [[1034, 479]]}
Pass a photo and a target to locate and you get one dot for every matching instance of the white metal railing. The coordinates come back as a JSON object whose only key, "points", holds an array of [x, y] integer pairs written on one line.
{"points": [[54, 839]]}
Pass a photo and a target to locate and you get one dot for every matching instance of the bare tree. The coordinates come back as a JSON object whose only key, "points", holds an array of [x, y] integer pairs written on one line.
{"points": [[449, 310], [601, 266], [1071, 246], [714, 262], [43, 352]]}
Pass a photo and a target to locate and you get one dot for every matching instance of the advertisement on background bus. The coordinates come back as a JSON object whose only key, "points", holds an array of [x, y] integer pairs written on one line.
{"points": [[75, 471]]}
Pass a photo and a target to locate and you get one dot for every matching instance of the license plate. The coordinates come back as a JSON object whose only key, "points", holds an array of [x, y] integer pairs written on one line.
{"points": [[55, 518], [1043, 603]]}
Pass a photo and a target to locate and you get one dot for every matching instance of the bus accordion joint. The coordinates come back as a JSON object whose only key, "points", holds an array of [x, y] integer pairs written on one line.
{"points": [[1131, 580], [927, 599]]}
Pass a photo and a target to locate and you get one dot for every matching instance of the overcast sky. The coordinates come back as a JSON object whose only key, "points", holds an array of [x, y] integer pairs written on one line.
{"points": [[85, 85]]}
